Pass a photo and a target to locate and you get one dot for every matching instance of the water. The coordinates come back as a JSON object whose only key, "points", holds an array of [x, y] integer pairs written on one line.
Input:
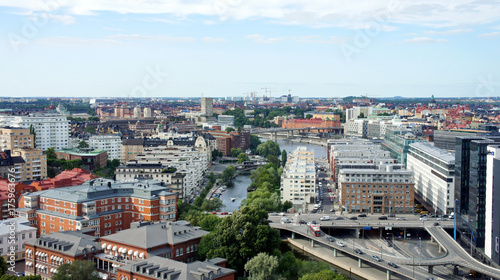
{"points": [[238, 191], [320, 152]]}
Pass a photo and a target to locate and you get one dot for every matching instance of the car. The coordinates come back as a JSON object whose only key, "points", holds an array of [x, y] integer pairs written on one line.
{"points": [[430, 278], [273, 214], [332, 210], [224, 213], [435, 224], [314, 210], [423, 219], [19, 274], [353, 218], [362, 215], [377, 258], [391, 215], [313, 223], [339, 218], [302, 222], [400, 218], [340, 243], [282, 214], [393, 265], [324, 218], [215, 212], [382, 218], [358, 251], [442, 219], [329, 238]]}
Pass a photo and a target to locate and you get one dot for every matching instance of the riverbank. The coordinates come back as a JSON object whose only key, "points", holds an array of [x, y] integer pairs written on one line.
{"points": [[343, 261]]}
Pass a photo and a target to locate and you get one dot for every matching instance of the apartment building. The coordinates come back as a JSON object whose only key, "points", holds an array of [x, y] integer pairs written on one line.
{"points": [[388, 189], [105, 206], [12, 138], [228, 140], [90, 158], [298, 180], [131, 148], [154, 171], [45, 254], [51, 130], [17, 229], [434, 175], [111, 143]]}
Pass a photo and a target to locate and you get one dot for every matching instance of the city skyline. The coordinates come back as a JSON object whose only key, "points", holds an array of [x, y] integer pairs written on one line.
{"points": [[229, 48]]}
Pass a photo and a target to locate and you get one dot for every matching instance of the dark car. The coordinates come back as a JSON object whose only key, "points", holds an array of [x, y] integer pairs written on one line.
{"points": [[314, 210], [313, 222], [377, 258], [393, 265], [353, 218], [331, 239], [392, 215], [339, 218], [302, 222], [435, 224], [362, 215], [382, 218], [358, 251]]}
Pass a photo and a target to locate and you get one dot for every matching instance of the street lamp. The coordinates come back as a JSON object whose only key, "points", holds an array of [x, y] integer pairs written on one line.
{"points": [[420, 243]]}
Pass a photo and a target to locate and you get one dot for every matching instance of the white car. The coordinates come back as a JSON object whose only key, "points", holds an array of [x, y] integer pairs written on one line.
{"points": [[400, 218], [423, 219], [324, 218], [340, 243]]}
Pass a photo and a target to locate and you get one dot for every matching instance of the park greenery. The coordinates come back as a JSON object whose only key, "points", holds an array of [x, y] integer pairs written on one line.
{"points": [[77, 270]]}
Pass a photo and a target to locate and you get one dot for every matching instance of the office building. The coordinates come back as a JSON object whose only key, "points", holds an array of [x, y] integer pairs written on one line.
{"points": [[299, 179], [111, 143], [434, 175], [51, 130], [225, 120], [207, 106], [104, 206], [397, 141], [17, 229], [446, 139], [387, 190], [492, 229]]}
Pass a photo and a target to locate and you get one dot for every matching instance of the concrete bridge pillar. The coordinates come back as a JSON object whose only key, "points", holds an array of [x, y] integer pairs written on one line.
{"points": [[275, 137], [334, 252], [357, 232], [312, 243], [380, 231], [430, 268], [388, 275], [360, 262], [440, 249], [293, 235], [404, 233]]}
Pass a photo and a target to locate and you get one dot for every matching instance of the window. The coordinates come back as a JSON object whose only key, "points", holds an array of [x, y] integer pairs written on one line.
{"points": [[176, 252]]}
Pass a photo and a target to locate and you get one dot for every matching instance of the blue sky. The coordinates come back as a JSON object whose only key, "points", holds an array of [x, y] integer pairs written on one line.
{"points": [[322, 48]]}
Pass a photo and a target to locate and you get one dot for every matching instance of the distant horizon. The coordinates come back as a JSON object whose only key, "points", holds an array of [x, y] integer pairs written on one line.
{"points": [[232, 47]]}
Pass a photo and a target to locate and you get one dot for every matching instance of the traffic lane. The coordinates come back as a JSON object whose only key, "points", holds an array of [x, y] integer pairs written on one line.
{"points": [[372, 219]]}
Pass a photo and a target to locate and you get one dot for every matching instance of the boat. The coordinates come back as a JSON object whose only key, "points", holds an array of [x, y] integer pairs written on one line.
{"points": [[233, 199]]}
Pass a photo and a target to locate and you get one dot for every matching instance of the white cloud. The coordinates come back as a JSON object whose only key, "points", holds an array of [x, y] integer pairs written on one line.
{"points": [[257, 38], [75, 41], [492, 34], [139, 37], [214, 40], [425, 40], [63, 19], [449, 32], [339, 13], [316, 39]]}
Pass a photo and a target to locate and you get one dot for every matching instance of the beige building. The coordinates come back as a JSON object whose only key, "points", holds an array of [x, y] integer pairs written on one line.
{"points": [[131, 148], [15, 137]]}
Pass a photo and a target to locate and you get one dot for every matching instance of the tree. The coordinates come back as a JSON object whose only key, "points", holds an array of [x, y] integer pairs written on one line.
{"points": [[286, 205], [93, 119], [78, 270], [228, 175], [311, 267], [242, 157], [309, 116], [274, 160], [254, 142], [51, 153], [289, 266], [212, 205], [90, 129], [235, 152], [325, 274], [216, 154], [83, 145], [51, 173], [240, 237], [210, 222], [284, 157], [262, 267], [361, 115], [3, 266], [268, 148], [229, 129]]}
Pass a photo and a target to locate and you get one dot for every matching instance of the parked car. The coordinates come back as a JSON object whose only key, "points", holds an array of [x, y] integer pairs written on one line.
{"points": [[313, 223], [314, 210], [340, 243], [329, 238], [377, 258], [382, 218], [358, 251], [393, 265], [362, 215]]}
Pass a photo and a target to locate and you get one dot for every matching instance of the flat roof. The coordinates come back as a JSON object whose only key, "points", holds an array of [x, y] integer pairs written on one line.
{"points": [[433, 151]]}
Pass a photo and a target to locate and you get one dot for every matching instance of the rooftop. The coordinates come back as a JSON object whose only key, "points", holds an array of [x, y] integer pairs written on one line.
{"points": [[79, 152], [429, 149]]}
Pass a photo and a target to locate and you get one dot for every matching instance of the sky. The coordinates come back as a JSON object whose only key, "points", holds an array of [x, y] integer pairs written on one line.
{"points": [[219, 48]]}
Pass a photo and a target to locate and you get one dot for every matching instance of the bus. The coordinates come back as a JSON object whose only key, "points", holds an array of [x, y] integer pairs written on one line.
{"points": [[315, 230]]}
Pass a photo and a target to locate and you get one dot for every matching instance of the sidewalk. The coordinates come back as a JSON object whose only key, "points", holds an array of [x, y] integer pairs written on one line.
{"points": [[342, 261]]}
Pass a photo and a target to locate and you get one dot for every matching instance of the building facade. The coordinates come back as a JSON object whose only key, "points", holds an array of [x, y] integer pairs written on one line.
{"points": [[17, 229], [207, 106], [434, 175], [492, 229], [111, 143], [131, 148], [104, 206], [397, 142], [90, 158]]}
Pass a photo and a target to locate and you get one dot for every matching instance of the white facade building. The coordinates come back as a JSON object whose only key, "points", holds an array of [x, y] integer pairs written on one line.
{"points": [[111, 143], [137, 112], [52, 130], [492, 226], [299, 179], [434, 174], [22, 232], [147, 112]]}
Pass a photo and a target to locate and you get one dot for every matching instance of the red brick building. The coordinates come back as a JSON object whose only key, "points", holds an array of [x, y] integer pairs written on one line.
{"points": [[334, 126], [17, 189], [105, 206], [67, 178], [228, 140]]}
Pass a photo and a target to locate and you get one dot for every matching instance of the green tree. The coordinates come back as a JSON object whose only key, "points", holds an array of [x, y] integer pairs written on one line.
{"points": [[235, 152], [240, 237], [78, 270], [309, 116], [242, 157], [254, 142], [90, 129], [229, 129], [262, 267], [286, 205], [228, 175], [284, 157], [50, 153], [325, 274], [311, 267], [3, 266], [212, 205], [93, 119], [289, 266], [51, 173], [212, 178], [83, 144], [361, 115], [210, 222], [268, 148], [273, 159], [14, 277], [216, 154]]}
